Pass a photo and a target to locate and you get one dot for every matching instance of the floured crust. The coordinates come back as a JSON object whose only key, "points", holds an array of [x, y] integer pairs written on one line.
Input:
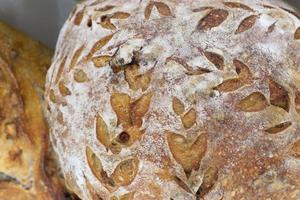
{"points": [[27, 169], [178, 100]]}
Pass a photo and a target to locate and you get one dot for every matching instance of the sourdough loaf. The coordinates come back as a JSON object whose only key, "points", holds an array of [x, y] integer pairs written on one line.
{"points": [[27, 167], [181, 99]]}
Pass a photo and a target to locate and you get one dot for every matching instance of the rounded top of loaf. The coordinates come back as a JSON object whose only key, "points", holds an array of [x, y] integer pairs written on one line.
{"points": [[178, 100]]}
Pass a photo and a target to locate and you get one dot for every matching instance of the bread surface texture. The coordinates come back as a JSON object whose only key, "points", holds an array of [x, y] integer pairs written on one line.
{"points": [[27, 168], [181, 99]]}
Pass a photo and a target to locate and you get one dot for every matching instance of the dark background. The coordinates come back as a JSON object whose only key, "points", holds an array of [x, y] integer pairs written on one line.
{"points": [[42, 19]]}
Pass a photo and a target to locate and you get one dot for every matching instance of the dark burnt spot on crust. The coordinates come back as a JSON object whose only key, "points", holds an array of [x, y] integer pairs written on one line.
{"points": [[124, 137]]}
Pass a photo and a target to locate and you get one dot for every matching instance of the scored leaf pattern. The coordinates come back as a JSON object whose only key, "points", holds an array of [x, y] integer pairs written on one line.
{"points": [[139, 108], [102, 133], [188, 119], [244, 77], [80, 76], [178, 106], [101, 61], [64, 91], [99, 45], [129, 115], [188, 153], [106, 19], [136, 80], [213, 19], [215, 59], [123, 174], [120, 103], [297, 34], [253, 103], [163, 9], [76, 56], [278, 95], [78, 17], [279, 128], [246, 24], [237, 5]]}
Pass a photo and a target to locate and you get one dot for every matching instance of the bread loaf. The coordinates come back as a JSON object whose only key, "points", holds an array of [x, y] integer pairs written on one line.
{"points": [[27, 169], [180, 100]]}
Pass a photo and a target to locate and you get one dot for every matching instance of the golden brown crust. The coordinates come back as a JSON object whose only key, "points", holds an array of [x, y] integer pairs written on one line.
{"points": [[25, 158]]}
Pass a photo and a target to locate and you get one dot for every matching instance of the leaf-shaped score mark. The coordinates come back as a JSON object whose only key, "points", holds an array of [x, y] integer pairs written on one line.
{"points": [[230, 85], [52, 96], [78, 17], [99, 45], [75, 57], [237, 5], [246, 24], [178, 106], [215, 59], [136, 80], [163, 9], [295, 150], [64, 91], [106, 19], [188, 153], [80, 76], [189, 119], [189, 70], [279, 96], [106, 23], [253, 103], [279, 127], [97, 169], [125, 172], [271, 28], [297, 34], [244, 77], [243, 71], [130, 113], [139, 108], [124, 139], [120, 103], [102, 133], [105, 8], [209, 179], [213, 19], [101, 61]]}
